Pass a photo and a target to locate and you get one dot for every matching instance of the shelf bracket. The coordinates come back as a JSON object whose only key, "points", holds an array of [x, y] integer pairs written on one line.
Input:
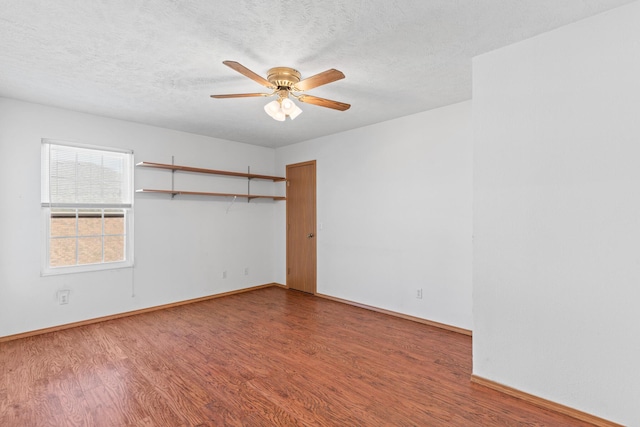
{"points": [[173, 174]]}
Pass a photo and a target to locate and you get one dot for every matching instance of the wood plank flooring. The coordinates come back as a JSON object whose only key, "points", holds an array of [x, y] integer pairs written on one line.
{"points": [[270, 357]]}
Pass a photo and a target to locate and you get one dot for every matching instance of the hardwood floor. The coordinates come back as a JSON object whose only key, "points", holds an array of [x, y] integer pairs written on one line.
{"points": [[270, 357]]}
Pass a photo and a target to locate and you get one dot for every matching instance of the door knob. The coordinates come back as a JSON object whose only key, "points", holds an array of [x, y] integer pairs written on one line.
{"points": [[310, 235]]}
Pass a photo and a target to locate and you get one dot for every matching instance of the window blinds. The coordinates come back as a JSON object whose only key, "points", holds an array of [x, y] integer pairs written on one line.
{"points": [[85, 177]]}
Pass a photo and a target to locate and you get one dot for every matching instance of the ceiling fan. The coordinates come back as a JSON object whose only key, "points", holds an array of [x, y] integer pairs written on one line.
{"points": [[285, 82]]}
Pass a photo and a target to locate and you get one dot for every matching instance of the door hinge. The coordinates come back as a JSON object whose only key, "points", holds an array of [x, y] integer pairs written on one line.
{"points": [[288, 271], [288, 183]]}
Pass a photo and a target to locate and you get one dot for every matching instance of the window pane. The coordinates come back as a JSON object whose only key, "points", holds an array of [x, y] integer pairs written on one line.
{"points": [[89, 222], [62, 252], [89, 250], [114, 221], [113, 248], [63, 222]]}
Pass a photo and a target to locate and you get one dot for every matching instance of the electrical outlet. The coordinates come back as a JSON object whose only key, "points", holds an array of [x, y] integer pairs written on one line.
{"points": [[224, 274], [419, 293], [63, 296], [246, 271]]}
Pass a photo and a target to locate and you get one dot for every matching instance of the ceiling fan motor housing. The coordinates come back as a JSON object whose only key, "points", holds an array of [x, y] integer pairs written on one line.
{"points": [[283, 77]]}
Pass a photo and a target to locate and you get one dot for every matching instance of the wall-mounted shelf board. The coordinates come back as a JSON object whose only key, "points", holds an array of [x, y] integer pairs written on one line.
{"points": [[209, 171], [202, 193], [177, 168]]}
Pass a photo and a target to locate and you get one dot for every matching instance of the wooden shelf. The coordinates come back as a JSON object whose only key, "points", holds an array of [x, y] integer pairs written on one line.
{"points": [[210, 171], [202, 193], [173, 168]]}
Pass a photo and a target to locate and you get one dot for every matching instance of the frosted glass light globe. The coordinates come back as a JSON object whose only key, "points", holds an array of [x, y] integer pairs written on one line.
{"points": [[288, 106]]}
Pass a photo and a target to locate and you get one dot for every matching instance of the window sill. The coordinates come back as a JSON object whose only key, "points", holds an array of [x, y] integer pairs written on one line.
{"points": [[55, 271]]}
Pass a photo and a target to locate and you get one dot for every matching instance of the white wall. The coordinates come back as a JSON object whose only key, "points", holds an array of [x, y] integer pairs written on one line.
{"points": [[181, 245], [394, 202], [557, 215]]}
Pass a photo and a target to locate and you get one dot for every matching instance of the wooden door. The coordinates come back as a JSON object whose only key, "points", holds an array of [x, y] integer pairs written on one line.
{"points": [[301, 226]]}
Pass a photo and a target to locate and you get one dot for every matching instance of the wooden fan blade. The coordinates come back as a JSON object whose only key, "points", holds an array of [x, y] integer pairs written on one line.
{"points": [[240, 95], [248, 73], [322, 102], [323, 78]]}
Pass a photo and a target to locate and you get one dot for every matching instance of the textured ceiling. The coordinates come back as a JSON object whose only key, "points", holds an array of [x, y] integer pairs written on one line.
{"points": [[157, 61]]}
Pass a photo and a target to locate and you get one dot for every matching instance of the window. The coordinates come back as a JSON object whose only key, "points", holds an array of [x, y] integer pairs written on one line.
{"points": [[87, 203]]}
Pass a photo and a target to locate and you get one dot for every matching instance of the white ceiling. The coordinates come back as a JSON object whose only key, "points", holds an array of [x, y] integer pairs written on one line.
{"points": [[157, 61]]}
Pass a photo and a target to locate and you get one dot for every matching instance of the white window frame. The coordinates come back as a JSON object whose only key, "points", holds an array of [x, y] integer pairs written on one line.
{"points": [[46, 269]]}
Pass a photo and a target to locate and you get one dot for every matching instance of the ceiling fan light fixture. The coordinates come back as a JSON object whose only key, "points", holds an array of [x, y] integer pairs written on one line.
{"points": [[280, 116], [272, 108], [281, 109], [287, 106], [295, 113]]}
